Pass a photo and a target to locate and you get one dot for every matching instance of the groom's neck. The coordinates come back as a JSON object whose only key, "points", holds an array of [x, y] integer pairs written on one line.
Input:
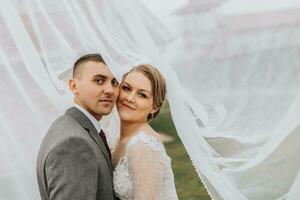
{"points": [[93, 114]]}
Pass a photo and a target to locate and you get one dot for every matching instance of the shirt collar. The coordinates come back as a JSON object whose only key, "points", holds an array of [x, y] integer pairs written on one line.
{"points": [[94, 121]]}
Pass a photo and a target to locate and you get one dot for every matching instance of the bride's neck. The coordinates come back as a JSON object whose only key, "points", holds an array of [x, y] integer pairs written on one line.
{"points": [[130, 128]]}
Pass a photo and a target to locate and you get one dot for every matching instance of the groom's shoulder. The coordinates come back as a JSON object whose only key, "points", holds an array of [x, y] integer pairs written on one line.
{"points": [[65, 123], [62, 128]]}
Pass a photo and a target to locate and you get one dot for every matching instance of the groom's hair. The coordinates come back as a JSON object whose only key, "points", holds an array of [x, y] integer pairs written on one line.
{"points": [[84, 59]]}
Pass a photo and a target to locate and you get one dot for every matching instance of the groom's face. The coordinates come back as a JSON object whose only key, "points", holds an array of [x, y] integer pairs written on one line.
{"points": [[95, 88]]}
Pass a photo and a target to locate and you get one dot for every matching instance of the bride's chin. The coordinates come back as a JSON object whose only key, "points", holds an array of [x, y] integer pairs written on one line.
{"points": [[125, 117], [126, 121]]}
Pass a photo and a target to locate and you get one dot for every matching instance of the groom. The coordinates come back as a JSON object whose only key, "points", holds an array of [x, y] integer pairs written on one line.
{"points": [[74, 161]]}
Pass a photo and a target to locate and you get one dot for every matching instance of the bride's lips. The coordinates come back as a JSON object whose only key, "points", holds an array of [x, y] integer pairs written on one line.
{"points": [[127, 106]]}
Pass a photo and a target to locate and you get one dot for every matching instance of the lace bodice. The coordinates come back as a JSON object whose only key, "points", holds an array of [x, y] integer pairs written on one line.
{"points": [[144, 172]]}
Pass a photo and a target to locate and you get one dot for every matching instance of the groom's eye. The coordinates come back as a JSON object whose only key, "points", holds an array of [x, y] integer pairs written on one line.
{"points": [[98, 81], [114, 82]]}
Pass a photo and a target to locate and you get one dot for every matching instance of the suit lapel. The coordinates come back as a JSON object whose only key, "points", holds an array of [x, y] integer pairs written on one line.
{"points": [[84, 121]]}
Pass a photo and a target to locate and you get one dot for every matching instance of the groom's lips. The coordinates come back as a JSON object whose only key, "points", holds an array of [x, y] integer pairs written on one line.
{"points": [[106, 101]]}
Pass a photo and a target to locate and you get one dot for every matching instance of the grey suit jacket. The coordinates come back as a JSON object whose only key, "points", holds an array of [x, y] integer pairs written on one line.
{"points": [[73, 163]]}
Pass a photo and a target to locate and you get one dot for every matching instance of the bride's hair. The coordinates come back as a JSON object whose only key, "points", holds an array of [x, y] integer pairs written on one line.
{"points": [[158, 85]]}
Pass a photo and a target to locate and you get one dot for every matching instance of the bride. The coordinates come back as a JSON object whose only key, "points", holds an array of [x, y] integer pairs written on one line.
{"points": [[142, 169]]}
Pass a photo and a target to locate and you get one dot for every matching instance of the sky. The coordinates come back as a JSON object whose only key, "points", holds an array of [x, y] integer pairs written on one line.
{"points": [[229, 7], [167, 6], [248, 6]]}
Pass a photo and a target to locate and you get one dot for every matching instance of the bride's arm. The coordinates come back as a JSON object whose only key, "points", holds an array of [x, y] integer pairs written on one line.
{"points": [[146, 166]]}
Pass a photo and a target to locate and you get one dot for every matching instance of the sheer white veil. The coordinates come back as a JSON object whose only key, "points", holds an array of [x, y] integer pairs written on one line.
{"points": [[233, 79]]}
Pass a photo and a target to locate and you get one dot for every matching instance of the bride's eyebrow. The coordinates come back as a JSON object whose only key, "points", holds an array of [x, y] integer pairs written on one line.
{"points": [[140, 90], [127, 84]]}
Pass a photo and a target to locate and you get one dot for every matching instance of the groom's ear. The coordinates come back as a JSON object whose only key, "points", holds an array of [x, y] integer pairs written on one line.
{"points": [[73, 86]]}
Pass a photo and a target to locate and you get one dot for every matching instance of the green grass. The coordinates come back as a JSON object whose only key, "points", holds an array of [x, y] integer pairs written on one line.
{"points": [[188, 184]]}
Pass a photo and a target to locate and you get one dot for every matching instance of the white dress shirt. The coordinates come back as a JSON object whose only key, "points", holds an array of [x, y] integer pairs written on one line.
{"points": [[95, 122]]}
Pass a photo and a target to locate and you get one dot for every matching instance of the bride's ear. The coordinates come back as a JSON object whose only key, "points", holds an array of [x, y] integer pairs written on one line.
{"points": [[154, 109]]}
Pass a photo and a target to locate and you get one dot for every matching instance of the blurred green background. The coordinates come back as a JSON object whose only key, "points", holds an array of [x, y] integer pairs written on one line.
{"points": [[188, 184]]}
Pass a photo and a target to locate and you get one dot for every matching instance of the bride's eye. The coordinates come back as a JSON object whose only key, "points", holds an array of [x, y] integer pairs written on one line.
{"points": [[125, 88], [142, 95]]}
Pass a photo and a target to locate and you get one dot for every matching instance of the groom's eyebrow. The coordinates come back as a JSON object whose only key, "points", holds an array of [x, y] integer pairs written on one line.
{"points": [[100, 76]]}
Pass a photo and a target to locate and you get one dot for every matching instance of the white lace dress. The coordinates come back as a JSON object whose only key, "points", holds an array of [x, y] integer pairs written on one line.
{"points": [[144, 172]]}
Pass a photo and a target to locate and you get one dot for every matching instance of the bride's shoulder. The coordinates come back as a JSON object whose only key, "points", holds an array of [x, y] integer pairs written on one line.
{"points": [[146, 140]]}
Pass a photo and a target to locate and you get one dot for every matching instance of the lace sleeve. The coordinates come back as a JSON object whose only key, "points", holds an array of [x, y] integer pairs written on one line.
{"points": [[146, 165]]}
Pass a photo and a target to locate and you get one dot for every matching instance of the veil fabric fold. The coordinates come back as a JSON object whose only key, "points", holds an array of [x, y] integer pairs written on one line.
{"points": [[233, 78]]}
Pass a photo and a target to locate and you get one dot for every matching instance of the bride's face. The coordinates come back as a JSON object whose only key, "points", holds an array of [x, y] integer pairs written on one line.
{"points": [[135, 100]]}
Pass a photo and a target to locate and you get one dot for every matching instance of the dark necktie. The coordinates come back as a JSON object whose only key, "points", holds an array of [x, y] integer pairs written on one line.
{"points": [[103, 137]]}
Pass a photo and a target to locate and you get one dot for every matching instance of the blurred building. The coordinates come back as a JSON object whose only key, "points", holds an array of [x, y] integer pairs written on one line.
{"points": [[214, 38]]}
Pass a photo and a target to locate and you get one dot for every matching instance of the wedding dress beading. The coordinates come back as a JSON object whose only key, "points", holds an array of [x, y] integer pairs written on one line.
{"points": [[144, 172]]}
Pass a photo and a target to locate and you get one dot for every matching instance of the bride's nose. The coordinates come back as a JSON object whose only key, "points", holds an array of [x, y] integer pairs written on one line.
{"points": [[130, 97]]}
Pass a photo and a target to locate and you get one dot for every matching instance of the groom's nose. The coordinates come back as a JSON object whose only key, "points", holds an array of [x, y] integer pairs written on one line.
{"points": [[108, 88]]}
